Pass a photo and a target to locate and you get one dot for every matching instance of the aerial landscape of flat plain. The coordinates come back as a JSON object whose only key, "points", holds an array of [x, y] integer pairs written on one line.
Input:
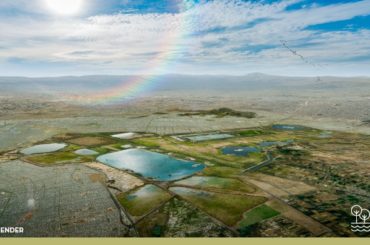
{"points": [[261, 165], [184, 118]]}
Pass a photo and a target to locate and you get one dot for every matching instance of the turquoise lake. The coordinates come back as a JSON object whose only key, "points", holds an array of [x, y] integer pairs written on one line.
{"points": [[151, 165]]}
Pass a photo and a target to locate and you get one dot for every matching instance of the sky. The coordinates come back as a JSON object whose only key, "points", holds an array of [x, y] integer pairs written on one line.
{"points": [[229, 37]]}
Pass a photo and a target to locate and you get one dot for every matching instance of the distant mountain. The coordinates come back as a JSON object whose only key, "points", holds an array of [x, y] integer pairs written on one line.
{"points": [[180, 83]]}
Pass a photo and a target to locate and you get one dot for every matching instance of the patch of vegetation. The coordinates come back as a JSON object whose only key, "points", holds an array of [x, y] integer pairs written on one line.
{"points": [[58, 157], [142, 200], [252, 132], [101, 150], [209, 183], [221, 112], [148, 142], [253, 158], [257, 214], [154, 225], [72, 147], [225, 207], [292, 151], [178, 218], [62, 137], [366, 121], [91, 141], [221, 171], [114, 146]]}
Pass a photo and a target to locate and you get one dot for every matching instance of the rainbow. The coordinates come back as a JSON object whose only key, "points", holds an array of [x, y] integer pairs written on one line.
{"points": [[130, 89]]}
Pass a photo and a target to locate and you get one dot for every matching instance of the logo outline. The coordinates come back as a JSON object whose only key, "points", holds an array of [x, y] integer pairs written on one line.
{"points": [[362, 215]]}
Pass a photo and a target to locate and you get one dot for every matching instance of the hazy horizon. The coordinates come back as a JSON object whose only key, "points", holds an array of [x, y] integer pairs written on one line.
{"points": [[185, 74]]}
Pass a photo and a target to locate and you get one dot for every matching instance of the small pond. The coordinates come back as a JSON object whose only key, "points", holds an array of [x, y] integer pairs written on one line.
{"points": [[325, 134], [205, 137], [239, 150], [272, 143], [86, 152], [124, 135], [43, 148], [287, 127]]}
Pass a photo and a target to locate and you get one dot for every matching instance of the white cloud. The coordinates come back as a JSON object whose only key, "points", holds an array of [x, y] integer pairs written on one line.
{"points": [[129, 43]]}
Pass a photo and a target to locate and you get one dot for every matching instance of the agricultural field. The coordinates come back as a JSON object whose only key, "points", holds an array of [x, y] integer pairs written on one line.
{"points": [[257, 214], [143, 200]]}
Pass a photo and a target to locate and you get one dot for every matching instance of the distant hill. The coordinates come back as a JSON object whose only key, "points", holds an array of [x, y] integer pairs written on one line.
{"points": [[181, 83]]}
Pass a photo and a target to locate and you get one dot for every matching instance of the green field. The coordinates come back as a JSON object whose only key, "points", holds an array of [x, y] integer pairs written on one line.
{"points": [[178, 218], [253, 132], [256, 215], [225, 207], [58, 158], [142, 200], [209, 183]]}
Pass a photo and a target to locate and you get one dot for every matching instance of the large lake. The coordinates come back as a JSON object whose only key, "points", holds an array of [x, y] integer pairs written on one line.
{"points": [[151, 164]]}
